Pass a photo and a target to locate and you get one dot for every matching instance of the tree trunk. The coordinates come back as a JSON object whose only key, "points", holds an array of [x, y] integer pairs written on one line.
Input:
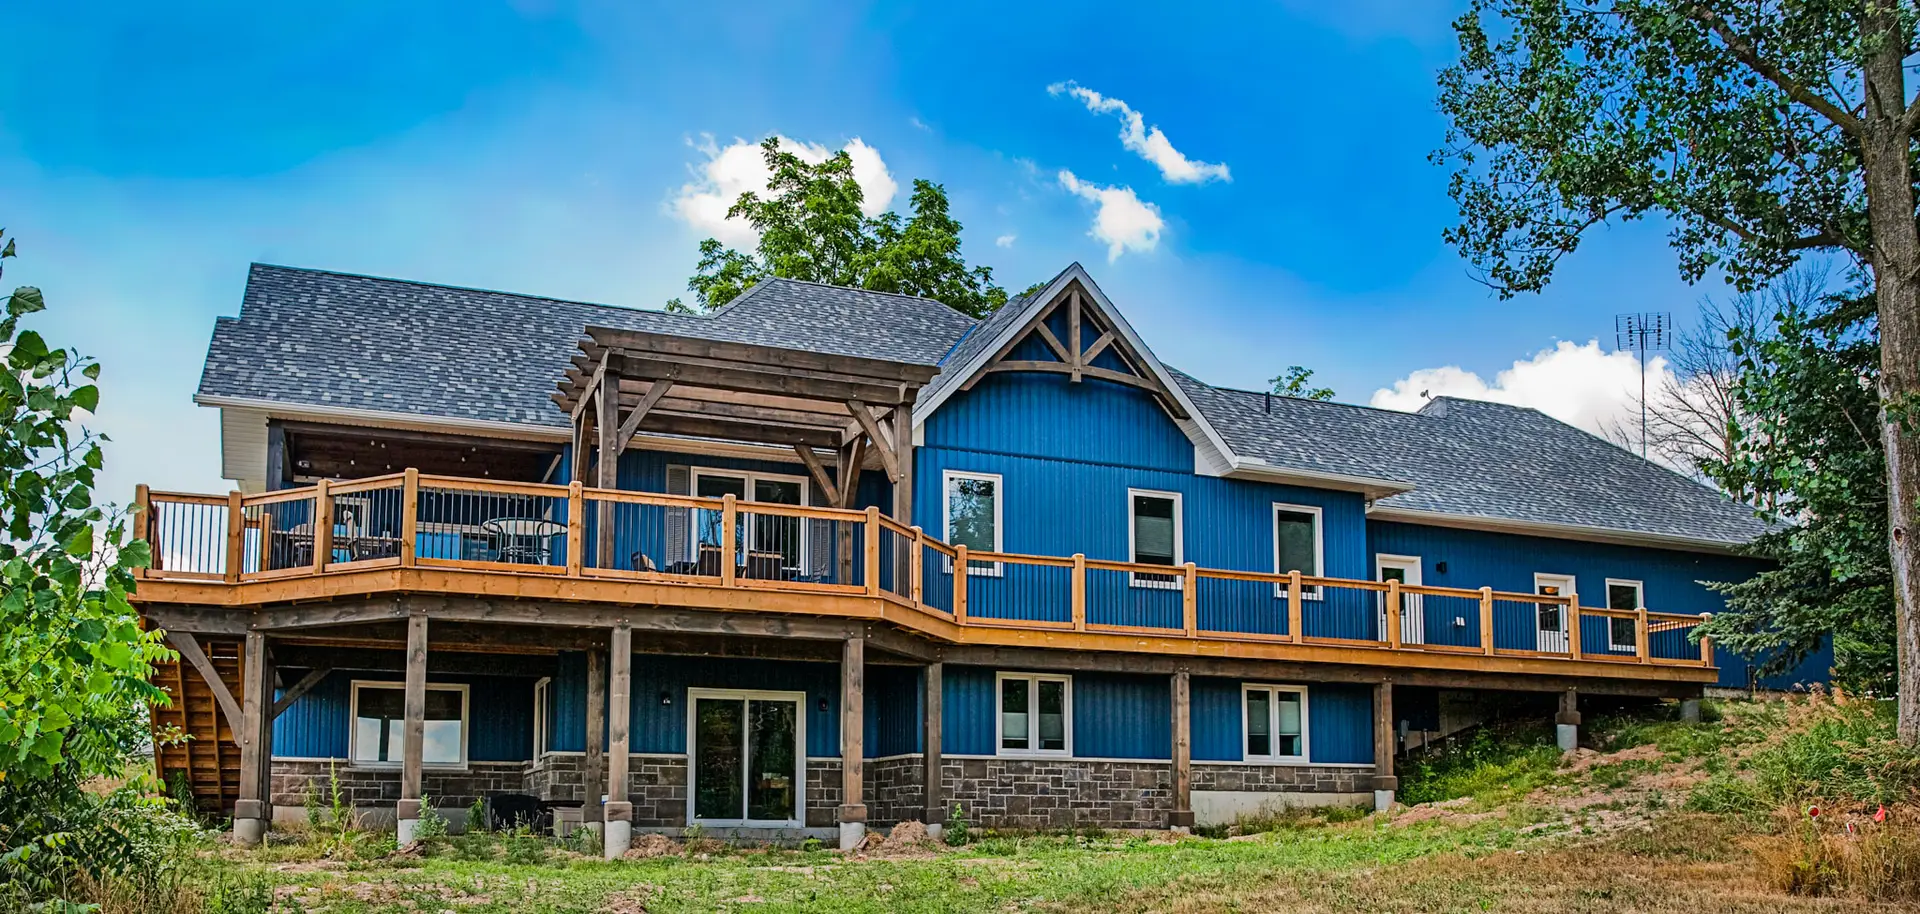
{"points": [[1896, 278]]}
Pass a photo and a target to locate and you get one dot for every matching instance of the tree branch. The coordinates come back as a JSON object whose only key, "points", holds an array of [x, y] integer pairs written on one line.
{"points": [[1821, 239], [1744, 51]]}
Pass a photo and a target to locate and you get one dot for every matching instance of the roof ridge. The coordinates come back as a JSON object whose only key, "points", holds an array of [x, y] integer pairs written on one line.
{"points": [[828, 285], [1339, 403], [455, 288]]}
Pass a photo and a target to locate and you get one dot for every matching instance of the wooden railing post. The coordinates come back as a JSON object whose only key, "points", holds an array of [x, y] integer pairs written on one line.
{"points": [[1640, 646], [143, 524], [1393, 615], [1296, 627], [1486, 621], [1078, 587], [917, 574], [236, 534], [960, 575], [576, 528], [1706, 643], [410, 518], [873, 550], [1573, 626], [729, 551], [1190, 600], [322, 525]]}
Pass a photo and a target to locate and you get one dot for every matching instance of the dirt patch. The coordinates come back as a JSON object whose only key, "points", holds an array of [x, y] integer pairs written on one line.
{"points": [[1580, 761], [651, 845], [629, 901], [1451, 812], [908, 840]]}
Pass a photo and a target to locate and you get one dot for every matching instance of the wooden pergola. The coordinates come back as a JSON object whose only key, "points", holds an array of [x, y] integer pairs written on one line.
{"points": [[856, 410]]}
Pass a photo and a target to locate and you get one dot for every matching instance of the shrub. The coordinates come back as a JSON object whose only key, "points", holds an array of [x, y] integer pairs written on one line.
{"points": [[1492, 763]]}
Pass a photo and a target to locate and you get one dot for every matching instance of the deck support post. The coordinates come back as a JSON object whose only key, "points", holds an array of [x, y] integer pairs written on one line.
{"points": [[414, 732], [853, 749], [250, 813], [931, 722], [1180, 819], [619, 810], [1566, 724], [1385, 744], [1689, 710], [593, 761]]}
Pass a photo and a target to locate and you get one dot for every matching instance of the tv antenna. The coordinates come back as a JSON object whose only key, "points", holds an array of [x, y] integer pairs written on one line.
{"points": [[1641, 333]]}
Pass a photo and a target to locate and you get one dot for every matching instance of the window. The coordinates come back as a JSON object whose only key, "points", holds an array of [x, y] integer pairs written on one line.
{"points": [[766, 535], [1036, 715], [541, 689], [1550, 619], [1297, 544], [1276, 723], [1154, 534], [973, 515], [1623, 634], [380, 723]]}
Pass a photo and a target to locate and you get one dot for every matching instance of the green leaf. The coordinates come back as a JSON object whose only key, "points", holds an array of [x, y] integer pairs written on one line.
{"points": [[87, 398], [80, 544], [25, 300]]}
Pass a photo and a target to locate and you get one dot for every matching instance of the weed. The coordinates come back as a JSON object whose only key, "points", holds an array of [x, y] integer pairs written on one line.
{"points": [[1492, 765], [432, 825], [956, 833], [246, 894], [477, 816]]}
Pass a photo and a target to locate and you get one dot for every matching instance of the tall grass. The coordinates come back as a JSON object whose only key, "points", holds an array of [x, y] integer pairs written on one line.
{"points": [[1493, 765], [1828, 749]]}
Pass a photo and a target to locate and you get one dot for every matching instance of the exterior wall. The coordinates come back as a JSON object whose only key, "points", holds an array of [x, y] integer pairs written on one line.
{"points": [[364, 787], [500, 714]]}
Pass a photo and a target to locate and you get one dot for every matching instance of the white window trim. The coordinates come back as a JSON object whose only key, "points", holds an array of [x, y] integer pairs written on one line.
{"points": [[1569, 588], [1413, 618], [1319, 546], [1640, 600], [1273, 724], [1179, 539], [542, 689], [799, 756], [984, 569], [748, 477], [1033, 714], [353, 727]]}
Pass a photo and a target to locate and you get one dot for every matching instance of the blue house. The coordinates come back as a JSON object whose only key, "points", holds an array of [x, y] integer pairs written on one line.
{"points": [[829, 557]]}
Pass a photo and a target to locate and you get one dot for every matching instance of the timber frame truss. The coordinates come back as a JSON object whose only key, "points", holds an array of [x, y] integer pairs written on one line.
{"points": [[1080, 342]]}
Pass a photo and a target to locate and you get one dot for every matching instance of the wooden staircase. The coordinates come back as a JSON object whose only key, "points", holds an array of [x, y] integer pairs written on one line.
{"points": [[209, 759]]}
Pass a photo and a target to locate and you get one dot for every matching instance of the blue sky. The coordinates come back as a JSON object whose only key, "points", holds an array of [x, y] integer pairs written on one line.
{"points": [[149, 153]]}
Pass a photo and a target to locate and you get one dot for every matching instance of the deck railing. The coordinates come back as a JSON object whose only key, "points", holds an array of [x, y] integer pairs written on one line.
{"points": [[414, 520]]}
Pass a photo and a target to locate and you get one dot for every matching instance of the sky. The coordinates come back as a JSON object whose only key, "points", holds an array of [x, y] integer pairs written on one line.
{"points": [[1251, 184]]}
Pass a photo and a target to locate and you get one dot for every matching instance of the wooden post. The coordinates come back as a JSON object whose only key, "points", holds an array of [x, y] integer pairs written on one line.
{"points": [[1640, 639], [1181, 818], [143, 526], [413, 742], [916, 570], [322, 525], [1394, 611], [1566, 723], [853, 727], [1385, 743], [576, 529], [1190, 600], [1077, 588], [1296, 627], [236, 535], [873, 551], [1486, 621], [931, 722], [410, 518], [1706, 643], [902, 419], [609, 476], [729, 550], [250, 812], [593, 761], [619, 811], [1573, 626], [960, 575]]}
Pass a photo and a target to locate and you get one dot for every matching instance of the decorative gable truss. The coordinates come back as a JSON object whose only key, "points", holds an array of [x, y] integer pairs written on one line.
{"points": [[1071, 336]]}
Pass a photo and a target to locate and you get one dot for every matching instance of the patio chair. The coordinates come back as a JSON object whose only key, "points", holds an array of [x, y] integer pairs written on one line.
{"points": [[765, 566], [640, 562]]}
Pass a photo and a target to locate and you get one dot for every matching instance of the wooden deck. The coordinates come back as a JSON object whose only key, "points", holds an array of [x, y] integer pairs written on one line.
{"points": [[305, 558]]}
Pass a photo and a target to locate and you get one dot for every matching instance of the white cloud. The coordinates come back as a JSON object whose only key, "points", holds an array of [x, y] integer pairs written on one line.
{"points": [[1146, 142], [1120, 218], [918, 124], [727, 173], [1005, 241], [1578, 384]]}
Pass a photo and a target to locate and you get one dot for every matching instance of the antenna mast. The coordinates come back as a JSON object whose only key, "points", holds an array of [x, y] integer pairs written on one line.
{"points": [[1641, 333]]}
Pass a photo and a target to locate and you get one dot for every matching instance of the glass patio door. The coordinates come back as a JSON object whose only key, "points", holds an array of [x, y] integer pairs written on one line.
{"points": [[746, 759]]}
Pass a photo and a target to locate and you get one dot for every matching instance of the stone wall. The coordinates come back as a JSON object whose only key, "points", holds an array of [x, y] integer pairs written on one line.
{"points": [[1059, 793], [894, 790], [366, 787], [1284, 778]]}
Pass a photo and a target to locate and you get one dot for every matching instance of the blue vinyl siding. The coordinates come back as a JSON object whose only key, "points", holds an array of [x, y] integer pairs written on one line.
{"points": [[662, 728], [1339, 722], [1048, 416], [499, 714], [1120, 716], [893, 706], [967, 709]]}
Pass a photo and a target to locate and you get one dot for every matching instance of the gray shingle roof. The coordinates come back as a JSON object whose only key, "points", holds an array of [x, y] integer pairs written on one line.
{"points": [[315, 338], [1470, 458]]}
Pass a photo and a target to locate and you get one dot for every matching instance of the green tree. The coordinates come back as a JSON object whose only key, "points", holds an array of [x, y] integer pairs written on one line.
{"points": [[1761, 130], [74, 661], [811, 227], [1298, 382]]}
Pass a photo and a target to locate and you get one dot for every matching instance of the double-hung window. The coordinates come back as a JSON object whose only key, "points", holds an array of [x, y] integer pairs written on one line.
{"points": [[1297, 544], [1154, 532], [973, 515], [380, 724], [1276, 723], [1036, 714], [1624, 634]]}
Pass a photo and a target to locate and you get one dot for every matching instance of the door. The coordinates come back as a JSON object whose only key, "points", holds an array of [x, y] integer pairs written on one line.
{"points": [[746, 763], [1413, 619], [769, 544], [1550, 619]]}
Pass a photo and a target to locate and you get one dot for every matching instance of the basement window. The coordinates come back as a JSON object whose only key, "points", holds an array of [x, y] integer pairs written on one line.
{"points": [[1036, 714], [1276, 723], [379, 729]]}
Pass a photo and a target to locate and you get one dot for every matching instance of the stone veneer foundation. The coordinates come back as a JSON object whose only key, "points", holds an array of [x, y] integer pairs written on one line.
{"points": [[994, 792]]}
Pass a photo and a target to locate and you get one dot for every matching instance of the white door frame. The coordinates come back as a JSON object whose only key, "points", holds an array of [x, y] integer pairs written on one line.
{"points": [[1413, 620], [1548, 640], [799, 756]]}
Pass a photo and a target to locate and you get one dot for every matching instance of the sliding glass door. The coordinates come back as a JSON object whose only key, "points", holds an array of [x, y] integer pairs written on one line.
{"points": [[747, 763]]}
